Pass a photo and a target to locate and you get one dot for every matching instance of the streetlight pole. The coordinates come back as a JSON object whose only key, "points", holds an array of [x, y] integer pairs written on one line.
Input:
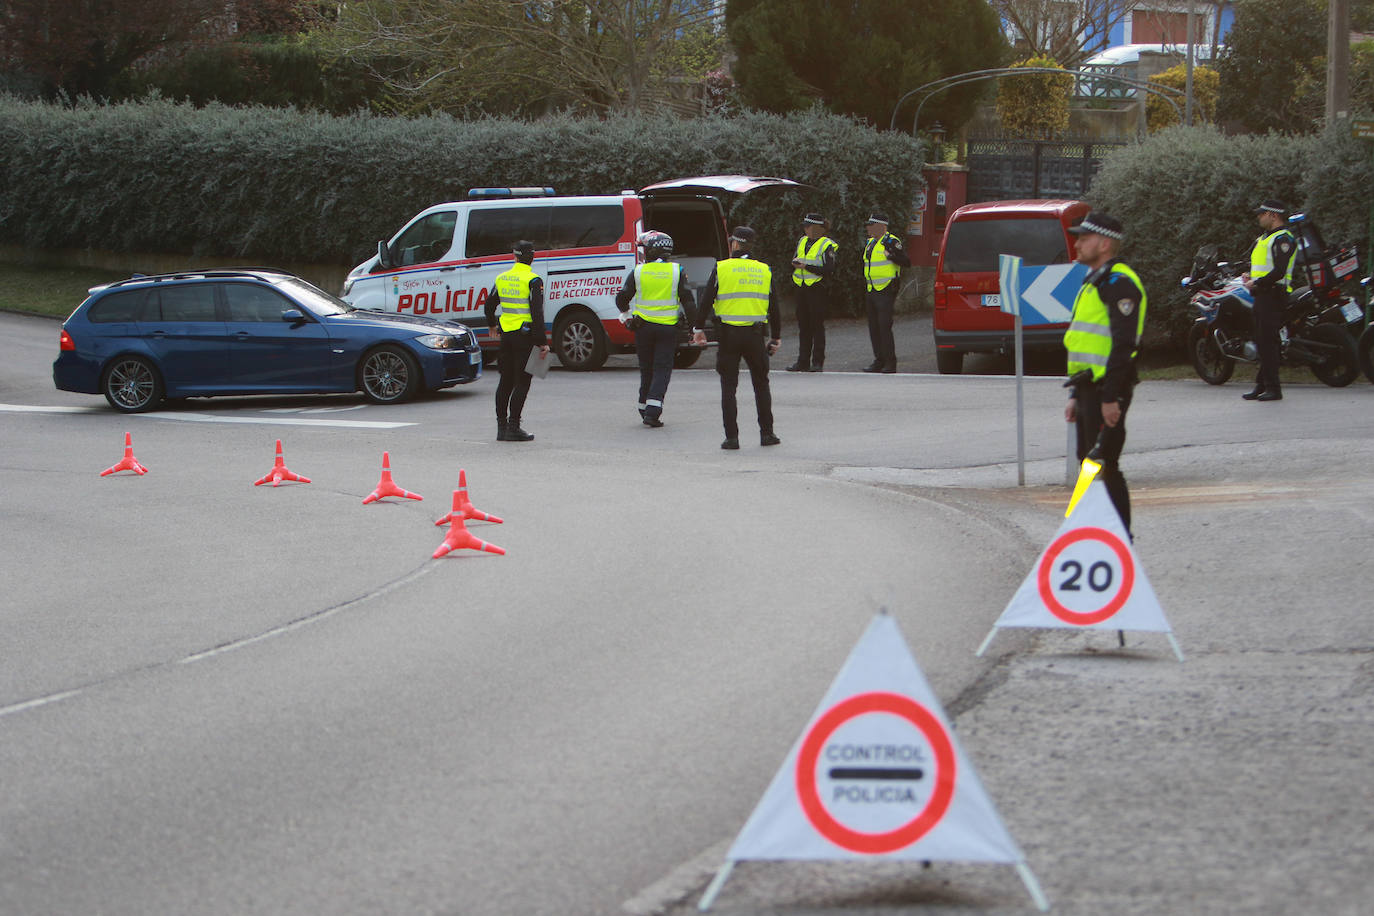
{"points": [[1188, 67]]}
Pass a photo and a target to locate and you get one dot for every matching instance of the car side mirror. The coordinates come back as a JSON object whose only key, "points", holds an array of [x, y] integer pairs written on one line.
{"points": [[384, 254], [292, 316]]}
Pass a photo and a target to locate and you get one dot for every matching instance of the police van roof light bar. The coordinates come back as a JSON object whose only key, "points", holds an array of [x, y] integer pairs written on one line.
{"points": [[480, 193]]}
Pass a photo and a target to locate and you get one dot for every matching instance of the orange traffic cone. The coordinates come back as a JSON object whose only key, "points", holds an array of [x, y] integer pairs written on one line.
{"points": [[386, 487], [463, 507], [128, 462], [279, 472], [459, 537]]}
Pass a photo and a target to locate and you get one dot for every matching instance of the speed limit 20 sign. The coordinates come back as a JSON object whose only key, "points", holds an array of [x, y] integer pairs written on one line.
{"points": [[1089, 577], [1086, 576]]}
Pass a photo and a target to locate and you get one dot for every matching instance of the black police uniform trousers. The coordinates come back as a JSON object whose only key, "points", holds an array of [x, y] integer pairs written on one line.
{"points": [[880, 305], [811, 307], [655, 345], [514, 386], [1089, 424], [747, 342], [1270, 305]]}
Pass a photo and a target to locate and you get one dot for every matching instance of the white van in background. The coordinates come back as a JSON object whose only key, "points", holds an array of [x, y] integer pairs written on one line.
{"points": [[444, 261]]}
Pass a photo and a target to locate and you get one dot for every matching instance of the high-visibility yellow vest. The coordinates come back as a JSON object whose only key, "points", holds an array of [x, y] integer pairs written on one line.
{"points": [[1089, 337], [812, 254], [742, 286], [656, 291], [1262, 257], [879, 270], [513, 287]]}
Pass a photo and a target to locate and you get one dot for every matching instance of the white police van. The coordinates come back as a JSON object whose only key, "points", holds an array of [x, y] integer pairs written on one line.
{"points": [[444, 262]]}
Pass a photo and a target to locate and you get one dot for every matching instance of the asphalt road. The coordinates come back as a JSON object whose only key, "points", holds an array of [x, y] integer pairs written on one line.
{"points": [[218, 698]]}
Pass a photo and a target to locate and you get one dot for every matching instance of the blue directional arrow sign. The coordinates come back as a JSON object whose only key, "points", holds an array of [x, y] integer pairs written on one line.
{"points": [[1043, 295]]}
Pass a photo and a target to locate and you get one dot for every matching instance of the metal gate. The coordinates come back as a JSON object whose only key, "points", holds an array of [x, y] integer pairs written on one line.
{"points": [[1011, 169]]}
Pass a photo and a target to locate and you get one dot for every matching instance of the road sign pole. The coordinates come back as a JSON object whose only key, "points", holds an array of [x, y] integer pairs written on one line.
{"points": [[1020, 406]]}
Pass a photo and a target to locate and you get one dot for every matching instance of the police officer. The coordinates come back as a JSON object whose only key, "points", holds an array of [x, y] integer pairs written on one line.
{"points": [[739, 298], [884, 258], [1271, 280], [654, 294], [812, 266], [518, 294], [1102, 341]]}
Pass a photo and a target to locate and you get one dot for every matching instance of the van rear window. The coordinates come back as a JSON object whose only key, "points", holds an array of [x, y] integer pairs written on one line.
{"points": [[974, 244], [493, 230]]}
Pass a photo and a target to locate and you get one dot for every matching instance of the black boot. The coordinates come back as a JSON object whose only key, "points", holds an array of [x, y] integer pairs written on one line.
{"points": [[514, 433], [501, 428]]}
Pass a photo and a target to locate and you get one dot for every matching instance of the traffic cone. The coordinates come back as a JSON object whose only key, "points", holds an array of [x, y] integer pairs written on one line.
{"points": [[279, 472], [463, 507], [459, 538], [128, 462], [386, 487]]}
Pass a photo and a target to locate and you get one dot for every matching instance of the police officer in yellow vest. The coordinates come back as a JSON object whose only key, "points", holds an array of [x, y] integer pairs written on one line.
{"points": [[884, 258], [812, 266], [1271, 280], [653, 297], [518, 295], [739, 297], [1102, 341]]}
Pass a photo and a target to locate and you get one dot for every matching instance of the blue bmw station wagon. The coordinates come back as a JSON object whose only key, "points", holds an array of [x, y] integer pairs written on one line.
{"points": [[251, 331]]}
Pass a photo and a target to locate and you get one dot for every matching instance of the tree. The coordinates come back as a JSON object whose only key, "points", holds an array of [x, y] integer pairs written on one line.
{"points": [[80, 47], [1159, 114], [859, 57], [1274, 46], [510, 56], [1035, 104], [1069, 31]]}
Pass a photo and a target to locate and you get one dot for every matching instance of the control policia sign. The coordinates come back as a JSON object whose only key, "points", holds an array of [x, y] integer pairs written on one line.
{"points": [[877, 774]]}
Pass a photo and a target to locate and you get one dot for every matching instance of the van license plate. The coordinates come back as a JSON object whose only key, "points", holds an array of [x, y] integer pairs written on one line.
{"points": [[992, 301]]}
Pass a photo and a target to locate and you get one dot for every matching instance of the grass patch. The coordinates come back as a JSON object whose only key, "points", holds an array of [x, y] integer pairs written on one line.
{"points": [[55, 291]]}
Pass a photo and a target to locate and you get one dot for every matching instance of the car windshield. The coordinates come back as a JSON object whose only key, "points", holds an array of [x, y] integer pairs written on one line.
{"points": [[314, 298], [974, 244]]}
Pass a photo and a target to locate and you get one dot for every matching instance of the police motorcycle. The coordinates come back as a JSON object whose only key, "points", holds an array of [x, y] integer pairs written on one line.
{"points": [[1312, 333]]}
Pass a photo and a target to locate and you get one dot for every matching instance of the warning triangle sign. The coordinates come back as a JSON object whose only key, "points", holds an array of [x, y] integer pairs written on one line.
{"points": [[1089, 577], [877, 774]]}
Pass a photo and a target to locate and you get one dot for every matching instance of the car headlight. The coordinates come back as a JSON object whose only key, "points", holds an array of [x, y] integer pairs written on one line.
{"points": [[440, 342]]}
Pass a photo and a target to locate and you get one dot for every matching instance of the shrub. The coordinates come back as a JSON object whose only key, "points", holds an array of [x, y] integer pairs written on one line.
{"points": [[1159, 114], [282, 185], [1186, 187], [1035, 104]]}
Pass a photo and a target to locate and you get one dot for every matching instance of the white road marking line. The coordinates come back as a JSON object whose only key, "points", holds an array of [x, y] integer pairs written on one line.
{"points": [[212, 418], [41, 701], [33, 408], [277, 421]]}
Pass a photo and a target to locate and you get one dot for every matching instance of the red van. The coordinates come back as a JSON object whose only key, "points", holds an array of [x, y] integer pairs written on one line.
{"points": [[968, 315]]}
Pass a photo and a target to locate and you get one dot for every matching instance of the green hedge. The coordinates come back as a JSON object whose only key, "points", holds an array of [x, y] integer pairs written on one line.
{"points": [[281, 185], [1187, 187]]}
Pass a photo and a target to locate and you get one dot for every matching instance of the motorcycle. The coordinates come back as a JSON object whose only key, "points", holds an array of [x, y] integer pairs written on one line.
{"points": [[1312, 333]]}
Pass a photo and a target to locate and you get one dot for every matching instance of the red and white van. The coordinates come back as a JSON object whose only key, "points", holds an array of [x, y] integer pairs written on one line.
{"points": [[968, 305], [443, 262]]}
